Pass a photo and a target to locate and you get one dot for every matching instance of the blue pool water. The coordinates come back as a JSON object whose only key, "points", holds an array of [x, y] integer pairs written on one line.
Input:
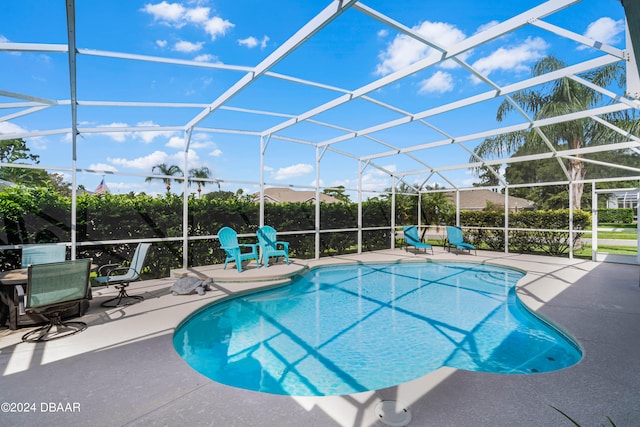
{"points": [[346, 329]]}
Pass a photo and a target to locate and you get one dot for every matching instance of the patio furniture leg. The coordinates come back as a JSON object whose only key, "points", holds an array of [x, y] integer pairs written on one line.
{"points": [[121, 296]]}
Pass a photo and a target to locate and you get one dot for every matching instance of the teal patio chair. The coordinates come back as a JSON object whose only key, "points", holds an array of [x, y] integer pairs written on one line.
{"points": [[411, 238], [52, 290], [270, 246], [42, 254], [454, 237], [234, 250], [120, 276]]}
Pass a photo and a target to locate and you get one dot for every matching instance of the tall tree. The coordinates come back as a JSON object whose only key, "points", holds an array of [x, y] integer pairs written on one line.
{"points": [[200, 173], [437, 207], [163, 169], [15, 151], [487, 178], [406, 202], [563, 96], [546, 170], [338, 192]]}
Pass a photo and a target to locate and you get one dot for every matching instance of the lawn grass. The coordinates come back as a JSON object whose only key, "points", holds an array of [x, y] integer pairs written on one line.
{"points": [[586, 251], [630, 231], [615, 225], [622, 235]]}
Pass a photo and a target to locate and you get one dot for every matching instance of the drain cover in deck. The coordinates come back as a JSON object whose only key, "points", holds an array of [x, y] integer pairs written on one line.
{"points": [[391, 414]]}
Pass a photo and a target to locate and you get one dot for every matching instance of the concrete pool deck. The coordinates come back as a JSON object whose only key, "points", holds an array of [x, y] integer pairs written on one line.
{"points": [[123, 369]]}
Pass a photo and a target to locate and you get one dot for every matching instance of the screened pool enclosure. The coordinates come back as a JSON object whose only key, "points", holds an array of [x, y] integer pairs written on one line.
{"points": [[370, 100]]}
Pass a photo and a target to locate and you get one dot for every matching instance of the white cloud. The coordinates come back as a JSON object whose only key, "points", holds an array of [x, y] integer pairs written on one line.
{"points": [[512, 57], [206, 58], [167, 12], [383, 33], [161, 43], [249, 42], [217, 26], [103, 167], [34, 142], [8, 127], [604, 30], [375, 179], [372, 180], [176, 15], [485, 27], [145, 136], [440, 82], [188, 47], [299, 169], [198, 140], [252, 42], [178, 159], [404, 51], [148, 136], [198, 14], [116, 136], [175, 142], [145, 163]]}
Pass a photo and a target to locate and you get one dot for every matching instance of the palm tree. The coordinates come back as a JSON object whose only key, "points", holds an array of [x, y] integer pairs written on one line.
{"points": [[562, 97], [437, 207], [163, 169], [200, 173]]}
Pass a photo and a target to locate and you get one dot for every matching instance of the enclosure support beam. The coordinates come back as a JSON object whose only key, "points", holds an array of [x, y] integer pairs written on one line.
{"points": [[506, 220], [263, 147], [317, 223], [185, 200], [419, 213], [71, 40], [571, 190], [360, 169], [594, 222], [637, 225], [458, 208], [393, 211], [632, 11], [331, 12]]}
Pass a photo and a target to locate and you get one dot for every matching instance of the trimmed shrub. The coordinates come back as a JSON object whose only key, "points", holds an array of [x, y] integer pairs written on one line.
{"points": [[529, 240], [616, 216], [42, 215]]}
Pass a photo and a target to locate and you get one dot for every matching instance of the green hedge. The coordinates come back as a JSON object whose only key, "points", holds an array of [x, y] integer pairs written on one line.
{"points": [[42, 215], [549, 242], [616, 216]]}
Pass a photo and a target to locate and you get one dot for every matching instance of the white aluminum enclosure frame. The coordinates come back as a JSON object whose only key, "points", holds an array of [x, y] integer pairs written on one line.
{"points": [[379, 150], [601, 256]]}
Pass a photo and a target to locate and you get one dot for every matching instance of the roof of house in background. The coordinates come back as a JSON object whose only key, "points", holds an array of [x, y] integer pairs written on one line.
{"points": [[282, 195], [4, 184], [477, 200]]}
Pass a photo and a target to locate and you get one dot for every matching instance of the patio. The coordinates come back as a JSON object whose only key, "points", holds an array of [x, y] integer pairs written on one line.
{"points": [[123, 369]]}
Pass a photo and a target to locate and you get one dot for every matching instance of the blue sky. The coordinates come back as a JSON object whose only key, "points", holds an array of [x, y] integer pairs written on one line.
{"points": [[350, 52]]}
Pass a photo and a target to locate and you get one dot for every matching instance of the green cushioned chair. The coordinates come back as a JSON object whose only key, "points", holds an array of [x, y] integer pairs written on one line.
{"points": [[52, 289]]}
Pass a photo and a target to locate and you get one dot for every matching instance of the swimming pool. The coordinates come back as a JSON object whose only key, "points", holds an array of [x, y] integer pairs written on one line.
{"points": [[345, 329]]}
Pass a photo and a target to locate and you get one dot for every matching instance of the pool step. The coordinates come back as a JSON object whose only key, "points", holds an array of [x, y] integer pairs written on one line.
{"points": [[273, 275]]}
